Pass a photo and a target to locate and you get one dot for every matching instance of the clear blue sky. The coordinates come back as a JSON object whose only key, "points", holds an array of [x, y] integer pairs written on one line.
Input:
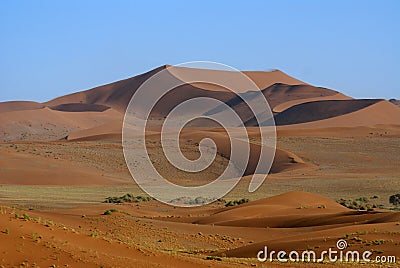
{"points": [[51, 48]]}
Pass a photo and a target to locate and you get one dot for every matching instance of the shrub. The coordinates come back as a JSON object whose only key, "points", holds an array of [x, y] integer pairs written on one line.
{"points": [[361, 203], [109, 211], [213, 258], [129, 198], [395, 199], [236, 202]]}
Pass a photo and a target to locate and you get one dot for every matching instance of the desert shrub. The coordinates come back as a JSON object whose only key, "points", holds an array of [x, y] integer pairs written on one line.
{"points": [[213, 258], [236, 202], [110, 211], [129, 198], [191, 201], [361, 203], [363, 199], [395, 199]]}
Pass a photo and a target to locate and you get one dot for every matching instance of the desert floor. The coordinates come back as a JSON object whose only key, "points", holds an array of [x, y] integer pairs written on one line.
{"points": [[52, 210]]}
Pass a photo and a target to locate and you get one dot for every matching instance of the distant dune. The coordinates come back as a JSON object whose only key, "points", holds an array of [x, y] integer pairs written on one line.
{"points": [[79, 107], [377, 113], [279, 96], [286, 105], [48, 124], [99, 111], [319, 110], [394, 101], [10, 106], [272, 211]]}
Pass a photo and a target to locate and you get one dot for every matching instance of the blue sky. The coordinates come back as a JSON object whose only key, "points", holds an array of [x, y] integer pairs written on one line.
{"points": [[51, 48]]}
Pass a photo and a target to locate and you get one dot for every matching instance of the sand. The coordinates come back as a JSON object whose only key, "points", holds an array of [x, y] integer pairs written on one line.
{"points": [[62, 158]]}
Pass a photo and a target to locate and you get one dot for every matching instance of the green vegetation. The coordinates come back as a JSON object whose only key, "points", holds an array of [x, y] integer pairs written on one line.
{"points": [[237, 202], [110, 211], [127, 198], [361, 203], [26, 217], [213, 258], [191, 201], [395, 199]]}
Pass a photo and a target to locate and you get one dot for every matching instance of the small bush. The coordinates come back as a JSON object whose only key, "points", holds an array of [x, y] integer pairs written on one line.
{"points": [[109, 211], [213, 258], [26, 217], [361, 203], [395, 199], [128, 198], [191, 201], [236, 202]]}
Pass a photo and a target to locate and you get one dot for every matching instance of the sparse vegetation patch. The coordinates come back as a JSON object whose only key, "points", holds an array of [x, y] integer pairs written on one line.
{"points": [[127, 198], [236, 202]]}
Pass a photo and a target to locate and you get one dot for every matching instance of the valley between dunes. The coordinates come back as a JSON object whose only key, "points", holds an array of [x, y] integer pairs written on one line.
{"points": [[61, 159]]}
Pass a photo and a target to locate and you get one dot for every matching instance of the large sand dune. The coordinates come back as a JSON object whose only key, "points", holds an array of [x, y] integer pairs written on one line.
{"points": [[10, 106], [48, 124], [83, 113], [377, 113], [320, 110]]}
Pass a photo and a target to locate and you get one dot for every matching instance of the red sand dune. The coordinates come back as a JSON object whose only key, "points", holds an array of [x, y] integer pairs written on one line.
{"points": [[379, 113], [79, 107], [28, 169], [282, 93], [278, 96], [10, 106], [295, 211], [118, 94], [86, 111], [358, 131], [47, 124], [105, 129], [260, 212], [262, 79], [283, 161], [320, 110], [286, 105], [395, 102]]}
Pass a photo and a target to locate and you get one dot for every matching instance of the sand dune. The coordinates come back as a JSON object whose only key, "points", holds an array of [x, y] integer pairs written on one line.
{"points": [[295, 210], [262, 79], [278, 95], [28, 169], [80, 107], [320, 110], [281, 93], [283, 160], [115, 95], [286, 105], [379, 113], [261, 212], [394, 101], [105, 129], [10, 106], [286, 96], [118, 94], [359, 131], [47, 124]]}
